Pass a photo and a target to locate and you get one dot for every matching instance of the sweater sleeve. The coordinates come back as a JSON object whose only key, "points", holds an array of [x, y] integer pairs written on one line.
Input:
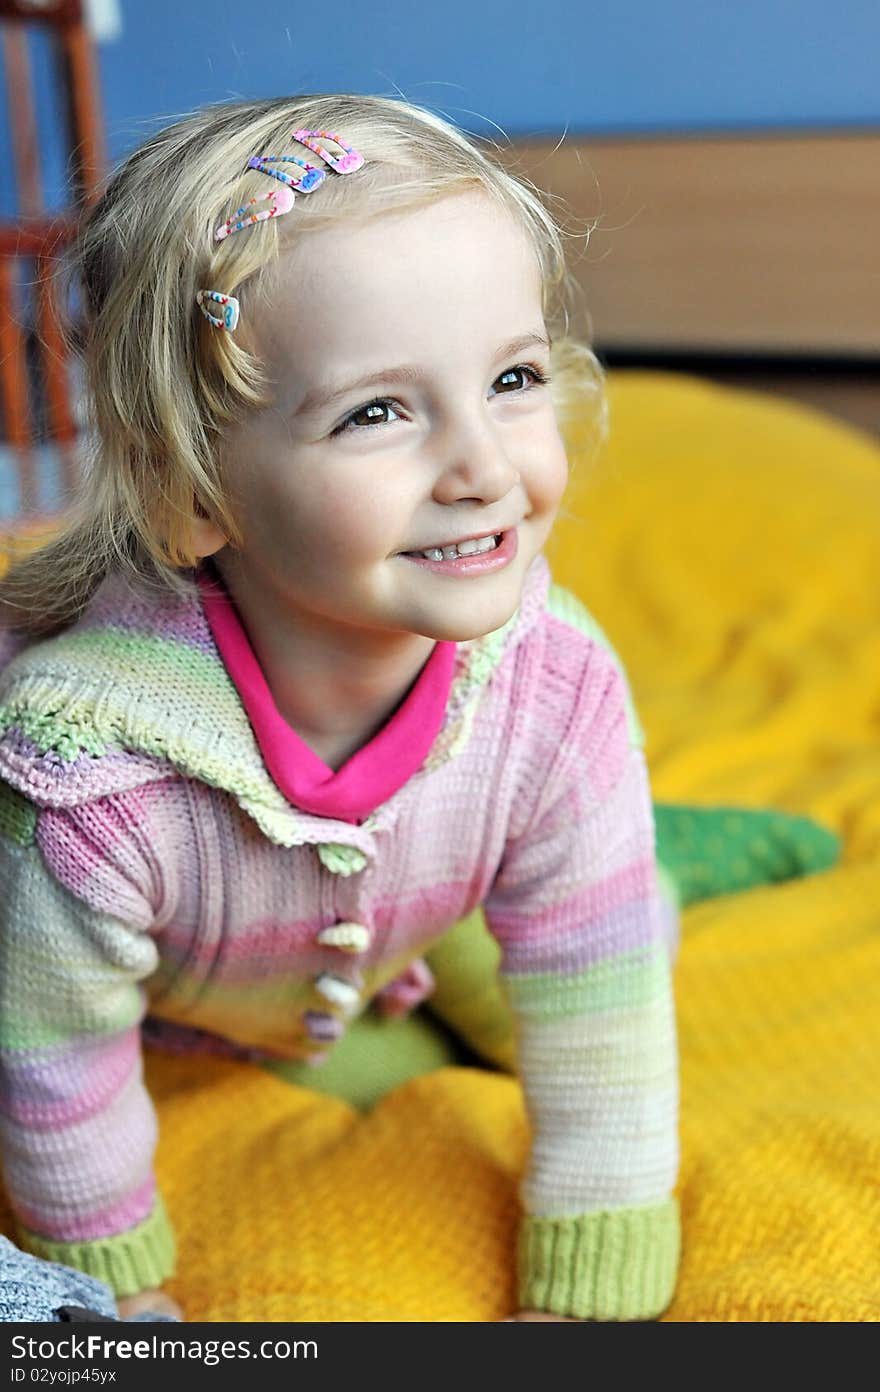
{"points": [[586, 970], [77, 1127]]}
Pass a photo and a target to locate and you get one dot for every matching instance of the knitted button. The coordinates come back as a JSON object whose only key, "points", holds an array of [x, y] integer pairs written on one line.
{"points": [[341, 860], [348, 937], [337, 990], [322, 1026]]}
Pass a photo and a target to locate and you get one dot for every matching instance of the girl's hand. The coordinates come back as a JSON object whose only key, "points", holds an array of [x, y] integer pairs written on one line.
{"points": [[155, 1300], [536, 1315]]}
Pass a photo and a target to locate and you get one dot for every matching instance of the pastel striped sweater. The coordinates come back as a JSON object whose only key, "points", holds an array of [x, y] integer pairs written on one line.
{"points": [[172, 851]]}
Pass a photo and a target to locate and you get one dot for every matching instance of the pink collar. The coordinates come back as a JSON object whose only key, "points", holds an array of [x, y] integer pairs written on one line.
{"points": [[374, 772]]}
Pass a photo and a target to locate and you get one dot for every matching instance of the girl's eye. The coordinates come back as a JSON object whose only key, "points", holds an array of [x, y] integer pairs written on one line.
{"points": [[373, 409]]}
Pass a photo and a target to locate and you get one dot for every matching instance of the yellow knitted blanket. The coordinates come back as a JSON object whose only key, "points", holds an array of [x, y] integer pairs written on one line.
{"points": [[727, 543]]}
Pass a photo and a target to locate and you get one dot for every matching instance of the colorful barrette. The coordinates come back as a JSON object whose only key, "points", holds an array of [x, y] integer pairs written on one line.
{"points": [[346, 163], [281, 199], [308, 181], [231, 309]]}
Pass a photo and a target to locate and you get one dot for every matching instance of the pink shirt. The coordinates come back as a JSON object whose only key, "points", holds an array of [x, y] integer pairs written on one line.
{"points": [[374, 772]]}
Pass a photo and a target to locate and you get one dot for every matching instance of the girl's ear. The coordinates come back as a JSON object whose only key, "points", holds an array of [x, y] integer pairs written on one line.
{"points": [[205, 537]]}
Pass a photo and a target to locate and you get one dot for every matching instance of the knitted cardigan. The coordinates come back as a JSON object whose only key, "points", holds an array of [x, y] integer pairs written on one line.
{"points": [[170, 849]]}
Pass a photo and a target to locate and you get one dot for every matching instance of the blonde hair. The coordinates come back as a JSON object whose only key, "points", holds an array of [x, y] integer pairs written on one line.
{"points": [[162, 383]]}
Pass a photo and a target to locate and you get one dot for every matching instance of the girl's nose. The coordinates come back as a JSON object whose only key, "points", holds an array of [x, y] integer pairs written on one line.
{"points": [[474, 464]]}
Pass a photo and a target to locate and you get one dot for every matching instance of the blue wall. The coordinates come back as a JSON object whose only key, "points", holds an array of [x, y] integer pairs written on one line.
{"points": [[607, 66], [603, 65]]}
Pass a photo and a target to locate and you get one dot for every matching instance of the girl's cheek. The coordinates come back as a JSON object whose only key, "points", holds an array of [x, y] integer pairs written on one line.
{"points": [[553, 478]]}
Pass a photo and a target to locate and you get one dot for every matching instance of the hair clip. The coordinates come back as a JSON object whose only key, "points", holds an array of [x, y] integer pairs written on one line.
{"points": [[231, 308], [342, 164], [310, 180], [281, 200]]}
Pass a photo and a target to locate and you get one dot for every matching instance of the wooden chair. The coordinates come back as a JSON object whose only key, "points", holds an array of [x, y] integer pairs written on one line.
{"points": [[37, 403]]}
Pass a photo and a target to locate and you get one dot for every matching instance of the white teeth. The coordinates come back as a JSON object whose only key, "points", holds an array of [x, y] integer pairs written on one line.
{"points": [[475, 548], [466, 548]]}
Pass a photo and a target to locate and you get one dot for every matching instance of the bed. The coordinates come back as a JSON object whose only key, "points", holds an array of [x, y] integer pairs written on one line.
{"points": [[727, 543]]}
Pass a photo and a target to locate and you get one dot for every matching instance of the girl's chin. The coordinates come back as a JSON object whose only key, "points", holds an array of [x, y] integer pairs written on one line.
{"points": [[466, 621]]}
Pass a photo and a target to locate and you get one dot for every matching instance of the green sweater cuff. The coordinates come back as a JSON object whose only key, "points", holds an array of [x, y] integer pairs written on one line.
{"points": [[139, 1259], [619, 1264]]}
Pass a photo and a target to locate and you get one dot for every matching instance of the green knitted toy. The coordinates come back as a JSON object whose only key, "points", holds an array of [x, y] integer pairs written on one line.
{"points": [[709, 851]]}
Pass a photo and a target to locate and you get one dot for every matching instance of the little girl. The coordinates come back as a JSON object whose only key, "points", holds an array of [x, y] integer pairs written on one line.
{"points": [[292, 693]]}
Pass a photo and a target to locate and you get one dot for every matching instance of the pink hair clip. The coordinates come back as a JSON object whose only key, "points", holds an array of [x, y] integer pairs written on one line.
{"points": [[229, 318], [281, 200], [346, 163]]}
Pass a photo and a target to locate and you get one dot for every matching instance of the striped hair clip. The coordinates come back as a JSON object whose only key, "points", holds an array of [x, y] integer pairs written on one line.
{"points": [[228, 319], [346, 163], [304, 184], [280, 201]]}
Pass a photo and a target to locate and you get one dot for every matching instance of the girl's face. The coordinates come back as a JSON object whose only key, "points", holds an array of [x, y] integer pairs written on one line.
{"points": [[441, 308]]}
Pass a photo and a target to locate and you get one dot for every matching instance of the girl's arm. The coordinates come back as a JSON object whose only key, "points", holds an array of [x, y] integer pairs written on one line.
{"points": [[586, 969], [77, 1127]]}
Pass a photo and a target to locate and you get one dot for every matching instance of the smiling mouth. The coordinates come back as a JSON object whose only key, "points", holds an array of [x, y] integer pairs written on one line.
{"points": [[474, 546]]}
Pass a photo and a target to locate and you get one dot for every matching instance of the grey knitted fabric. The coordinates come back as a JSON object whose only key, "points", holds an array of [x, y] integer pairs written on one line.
{"points": [[31, 1290]]}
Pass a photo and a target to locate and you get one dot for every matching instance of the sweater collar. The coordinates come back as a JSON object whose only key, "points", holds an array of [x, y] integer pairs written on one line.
{"points": [[138, 688]]}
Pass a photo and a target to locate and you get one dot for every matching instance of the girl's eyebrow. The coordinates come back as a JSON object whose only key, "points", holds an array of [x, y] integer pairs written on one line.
{"points": [[326, 394]]}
